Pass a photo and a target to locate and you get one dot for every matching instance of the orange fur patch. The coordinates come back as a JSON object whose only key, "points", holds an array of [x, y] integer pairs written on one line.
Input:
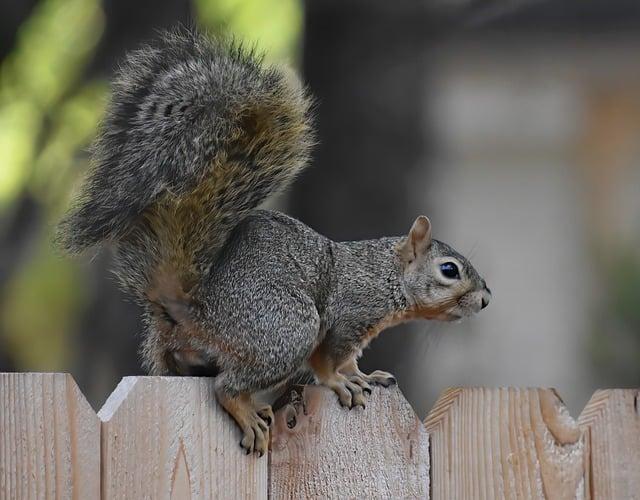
{"points": [[398, 317]]}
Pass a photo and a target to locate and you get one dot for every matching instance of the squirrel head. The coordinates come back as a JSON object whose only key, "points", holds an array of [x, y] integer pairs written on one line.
{"points": [[438, 282]]}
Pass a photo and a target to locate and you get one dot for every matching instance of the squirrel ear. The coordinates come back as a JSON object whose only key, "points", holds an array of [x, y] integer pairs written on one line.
{"points": [[418, 241]]}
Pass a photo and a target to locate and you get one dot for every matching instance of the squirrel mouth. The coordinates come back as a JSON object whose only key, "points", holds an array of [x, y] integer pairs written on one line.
{"points": [[450, 316], [454, 312]]}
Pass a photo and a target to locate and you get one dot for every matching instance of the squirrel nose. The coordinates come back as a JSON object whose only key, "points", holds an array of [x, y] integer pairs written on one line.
{"points": [[486, 297]]}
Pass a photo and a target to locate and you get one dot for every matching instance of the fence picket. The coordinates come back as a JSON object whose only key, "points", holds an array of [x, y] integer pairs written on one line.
{"points": [[504, 443], [166, 437], [331, 452], [49, 438], [612, 422]]}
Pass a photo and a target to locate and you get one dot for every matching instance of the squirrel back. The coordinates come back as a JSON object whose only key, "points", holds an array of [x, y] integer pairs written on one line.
{"points": [[197, 134]]}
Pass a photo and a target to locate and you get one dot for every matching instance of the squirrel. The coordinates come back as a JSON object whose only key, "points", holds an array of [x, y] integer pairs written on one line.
{"points": [[197, 134]]}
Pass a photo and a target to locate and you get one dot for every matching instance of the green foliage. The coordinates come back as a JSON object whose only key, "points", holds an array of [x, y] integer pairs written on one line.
{"points": [[63, 158], [48, 116], [274, 26], [52, 48], [40, 309], [615, 342], [17, 121], [626, 288]]}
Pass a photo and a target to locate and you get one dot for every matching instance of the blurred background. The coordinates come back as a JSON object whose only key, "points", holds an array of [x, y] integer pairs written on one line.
{"points": [[513, 124]]}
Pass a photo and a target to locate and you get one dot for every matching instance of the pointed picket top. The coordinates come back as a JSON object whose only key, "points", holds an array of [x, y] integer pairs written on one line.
{"points": [[326, 451], [117, 397], [438, 413], [167, 437], [49, 438], [611, 420], [504, 443]]}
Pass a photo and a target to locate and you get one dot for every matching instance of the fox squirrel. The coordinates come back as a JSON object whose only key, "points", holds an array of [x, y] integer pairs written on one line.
{"points": [[197, 134]]}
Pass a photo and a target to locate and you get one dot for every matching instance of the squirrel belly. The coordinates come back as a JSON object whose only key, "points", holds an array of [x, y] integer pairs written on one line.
{"points": [[198, 133]]}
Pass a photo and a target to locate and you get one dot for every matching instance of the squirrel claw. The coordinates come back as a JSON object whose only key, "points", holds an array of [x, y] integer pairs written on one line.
{"points": [[255, 440], [358, 380], [344, 397], [357, 395], [358, 400], [256, 433], [248, 440], [349, 393]]}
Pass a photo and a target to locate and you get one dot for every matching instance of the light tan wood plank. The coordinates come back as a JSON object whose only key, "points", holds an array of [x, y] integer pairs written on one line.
{"points": [[49, 438], [504, 443], [331, 452], [167, 438], [612, 422]]}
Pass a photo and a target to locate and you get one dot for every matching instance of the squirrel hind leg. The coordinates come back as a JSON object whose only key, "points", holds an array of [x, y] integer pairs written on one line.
{"points": [[253, 419], [190, 363]]}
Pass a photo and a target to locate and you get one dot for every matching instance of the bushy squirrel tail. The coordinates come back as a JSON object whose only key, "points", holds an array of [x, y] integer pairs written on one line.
{"points": [[197, 134]]}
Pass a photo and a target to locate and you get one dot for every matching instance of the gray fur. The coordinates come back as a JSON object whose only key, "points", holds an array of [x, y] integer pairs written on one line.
{"points": [[197, 135], [278, 289], [184, 109]]}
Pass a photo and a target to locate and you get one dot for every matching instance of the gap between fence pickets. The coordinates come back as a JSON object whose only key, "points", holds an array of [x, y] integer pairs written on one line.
{"points": [[106, 412]]}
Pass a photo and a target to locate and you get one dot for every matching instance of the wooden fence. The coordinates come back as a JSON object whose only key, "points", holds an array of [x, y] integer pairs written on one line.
{"points": [[161, 437]]}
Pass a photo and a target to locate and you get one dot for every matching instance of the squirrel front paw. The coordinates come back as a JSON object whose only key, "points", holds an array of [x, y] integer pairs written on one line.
{"points": [[378, 377], [362, 382], [350, 394], [253, 420]]}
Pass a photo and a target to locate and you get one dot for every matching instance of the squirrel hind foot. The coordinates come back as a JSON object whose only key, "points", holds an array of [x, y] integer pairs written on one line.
{"points": [[254, 421]]}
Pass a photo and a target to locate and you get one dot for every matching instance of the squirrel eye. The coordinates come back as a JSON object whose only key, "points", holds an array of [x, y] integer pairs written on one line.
{"points": [[450, 270]]}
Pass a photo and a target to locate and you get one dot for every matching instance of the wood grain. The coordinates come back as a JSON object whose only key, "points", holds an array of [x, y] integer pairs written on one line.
{"points": [[49, 438], [504, 443], [331, 452], [167, 438], [611, 420]]}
